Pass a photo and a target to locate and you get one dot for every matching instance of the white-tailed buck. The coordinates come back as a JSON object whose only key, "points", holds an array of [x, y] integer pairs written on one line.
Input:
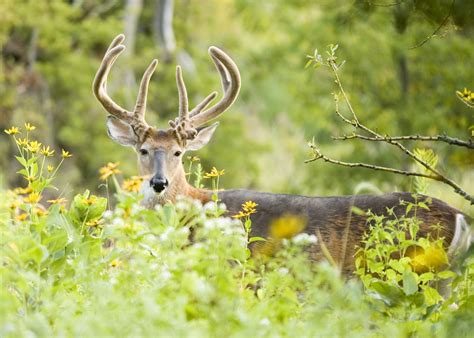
{"points": [[160, 153]]}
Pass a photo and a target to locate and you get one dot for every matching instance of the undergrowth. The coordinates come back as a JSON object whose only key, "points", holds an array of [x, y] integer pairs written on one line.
{"points": [[85, 269]]}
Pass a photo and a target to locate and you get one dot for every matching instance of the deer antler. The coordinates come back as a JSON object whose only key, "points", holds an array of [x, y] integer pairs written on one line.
{"points": [[186, 123], [135, 118]]}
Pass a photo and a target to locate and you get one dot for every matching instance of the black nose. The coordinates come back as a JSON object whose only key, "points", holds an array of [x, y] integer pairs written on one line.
{"points": [[158, 183]]}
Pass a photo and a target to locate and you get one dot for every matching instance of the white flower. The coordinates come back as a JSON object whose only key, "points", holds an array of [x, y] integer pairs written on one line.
{"points": [[107, 214], [210, 206], [166, 233], [304, 239], [136, 208], [197, 204], [181, 205], [283, 271], [198, 245], [217, 223], [265, 322], [118, 222], [165, 274]]}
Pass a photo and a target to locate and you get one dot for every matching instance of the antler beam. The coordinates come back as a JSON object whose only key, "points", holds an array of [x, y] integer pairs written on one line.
{"points": [[135, 118], [187, 120]]}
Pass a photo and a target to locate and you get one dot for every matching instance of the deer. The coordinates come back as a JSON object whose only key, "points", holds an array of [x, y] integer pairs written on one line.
{"points": [[160, 153]]}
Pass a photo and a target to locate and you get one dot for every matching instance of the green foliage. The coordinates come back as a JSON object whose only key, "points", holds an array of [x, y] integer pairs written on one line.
{"points": [[185, 270], [429, 157], [402, 271], [281, 106]]}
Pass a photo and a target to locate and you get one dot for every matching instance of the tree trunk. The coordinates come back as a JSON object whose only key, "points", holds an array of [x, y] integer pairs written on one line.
{"points": [[163, 28], [133, 9]]}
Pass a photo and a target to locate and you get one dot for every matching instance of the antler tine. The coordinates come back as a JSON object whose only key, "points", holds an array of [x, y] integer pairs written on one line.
{"points": [[183, 95], [100, 83], [140, 106], [203, 104], [226, 68]]}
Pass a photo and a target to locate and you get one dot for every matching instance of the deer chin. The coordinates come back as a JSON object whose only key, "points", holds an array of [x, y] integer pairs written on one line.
{"points": [[151, 197]]}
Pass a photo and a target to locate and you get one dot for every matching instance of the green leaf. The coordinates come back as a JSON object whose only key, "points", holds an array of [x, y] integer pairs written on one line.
{"points": [[256, 239], [423, 205], [432, 296], [358, 211], [397, 265], [426, 277], [410, 283], [446, 274], [21, 160], [390, 294]]}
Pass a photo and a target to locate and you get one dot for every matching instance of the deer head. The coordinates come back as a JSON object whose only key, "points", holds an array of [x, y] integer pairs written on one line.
{"points": [[160, 151]]}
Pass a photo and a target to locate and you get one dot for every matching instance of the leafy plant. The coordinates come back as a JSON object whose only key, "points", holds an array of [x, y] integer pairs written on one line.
{"points": [[401, 271]]}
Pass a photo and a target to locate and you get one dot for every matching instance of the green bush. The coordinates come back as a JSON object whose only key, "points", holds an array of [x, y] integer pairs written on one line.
{"points": [[178, 270]]}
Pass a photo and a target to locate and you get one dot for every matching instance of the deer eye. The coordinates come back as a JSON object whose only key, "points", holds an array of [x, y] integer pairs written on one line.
{"points": [[143, 152], [178, 153]]}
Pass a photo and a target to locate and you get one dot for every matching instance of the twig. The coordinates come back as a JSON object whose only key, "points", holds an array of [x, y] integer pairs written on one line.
{"points": [[320, 156], [441, 138], [376, 4], [435, 174], [437, 29]]}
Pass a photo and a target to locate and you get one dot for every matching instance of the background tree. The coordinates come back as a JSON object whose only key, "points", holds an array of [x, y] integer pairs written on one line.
{"points": [[51, 49]]}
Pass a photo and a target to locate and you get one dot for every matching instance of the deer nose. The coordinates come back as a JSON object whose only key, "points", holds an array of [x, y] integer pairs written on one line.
{"points": [[158, 183]]}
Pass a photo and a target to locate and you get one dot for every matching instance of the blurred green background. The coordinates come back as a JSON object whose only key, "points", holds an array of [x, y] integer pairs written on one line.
{"points": [[50, 51]]}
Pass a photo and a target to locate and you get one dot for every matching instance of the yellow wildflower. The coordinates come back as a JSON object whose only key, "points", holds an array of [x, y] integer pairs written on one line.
{"points": [[15, 204], [466, 96], [50, 168], [40, 212], [29, 126], [34, 146], [193, 158], [248, 208], [109, 170], [214, 173], [60, 201], [91, 200], [33, 198], [65, 154], [287, 226], [46, 151], [22, 142], [23, 191], [12, 131], [433, 257], [93, 223], [239, 215], [21, 217], [132, 184], [115, 263], [30, 178]]}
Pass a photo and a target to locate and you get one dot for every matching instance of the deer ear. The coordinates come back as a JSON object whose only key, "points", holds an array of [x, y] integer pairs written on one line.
{"points": [[121, 132], [202, 138]]}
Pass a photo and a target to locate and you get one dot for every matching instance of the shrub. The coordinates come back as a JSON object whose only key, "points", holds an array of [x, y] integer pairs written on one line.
{"points": [[185, 270]]}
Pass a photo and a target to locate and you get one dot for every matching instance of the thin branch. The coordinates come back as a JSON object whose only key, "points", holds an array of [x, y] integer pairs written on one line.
{"points": [[440, 138], [356, 123], [428, 38], [376, 4], [320, 156]]}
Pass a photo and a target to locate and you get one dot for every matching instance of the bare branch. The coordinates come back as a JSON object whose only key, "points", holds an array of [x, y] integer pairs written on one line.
{"points": [[433, 173], [378, 4], [438, 138], [428, 38], [320, 156]]}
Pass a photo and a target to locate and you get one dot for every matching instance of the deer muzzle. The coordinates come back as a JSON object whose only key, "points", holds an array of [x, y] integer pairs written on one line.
{"points": [[159, 182]]}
